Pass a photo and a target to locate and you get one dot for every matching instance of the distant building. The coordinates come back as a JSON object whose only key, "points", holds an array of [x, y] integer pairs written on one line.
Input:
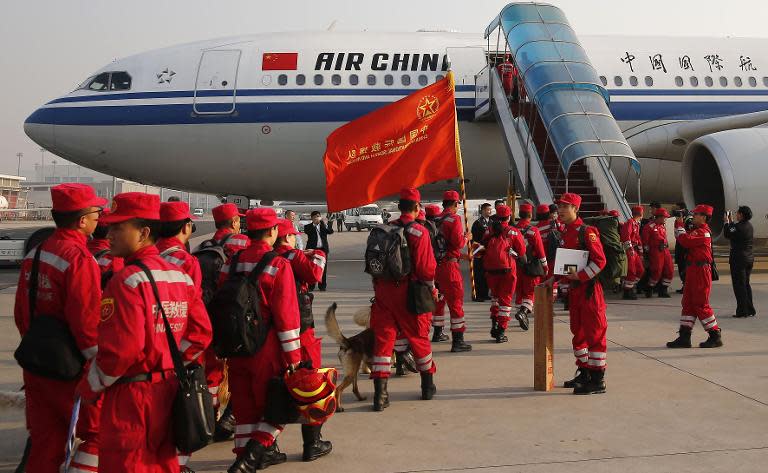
{"points": [[14, 194]]}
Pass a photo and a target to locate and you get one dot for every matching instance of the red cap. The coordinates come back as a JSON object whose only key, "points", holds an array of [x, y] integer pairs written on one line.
{"points": [[175, 211], [129, 205], [662, 212], [613, 213], [451, 195], [104, 213], [570, 198], [225, 212], [432, 210], [526, 208], [503, 211], [703, 209], [422, 215], [410, 193], [638, 210], [261, 218], [542, 209], [285, 227], [71, 197]]}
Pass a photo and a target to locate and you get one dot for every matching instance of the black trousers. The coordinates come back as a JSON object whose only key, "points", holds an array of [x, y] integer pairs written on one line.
{"points": [[740, 274], [339, 225], [481, 286]]}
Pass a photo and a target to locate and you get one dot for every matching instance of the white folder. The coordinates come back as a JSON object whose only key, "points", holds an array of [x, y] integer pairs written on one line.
{"points": [[566, 260]]}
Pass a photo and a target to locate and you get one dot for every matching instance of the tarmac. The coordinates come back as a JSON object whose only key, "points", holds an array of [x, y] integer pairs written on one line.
{"points": [[692, 410]]}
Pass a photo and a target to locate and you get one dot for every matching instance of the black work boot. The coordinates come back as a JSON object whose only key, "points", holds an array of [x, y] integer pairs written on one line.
{"points": [[380, 394], [522, 317], [664, 292], [595, 385], [250, 460], [566, 303], [428, 388], [500, 337], [273, 456], [438, 335], [581, 377], [225, 426], [715, 339], [683, 340], [314, 446], [629, 295], [457, 344], [648, 292], [494, 328], [404, 361]]}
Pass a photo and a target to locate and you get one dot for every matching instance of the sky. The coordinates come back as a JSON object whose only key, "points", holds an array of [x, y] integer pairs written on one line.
{"points": [[50, 46]]}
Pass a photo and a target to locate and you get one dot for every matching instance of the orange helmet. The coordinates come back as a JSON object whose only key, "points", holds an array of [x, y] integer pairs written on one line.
{"points": [[319, 411], [308, 385]]}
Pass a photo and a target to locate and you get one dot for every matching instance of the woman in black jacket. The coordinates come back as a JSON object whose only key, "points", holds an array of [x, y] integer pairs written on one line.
{"points": [[741, 235]]}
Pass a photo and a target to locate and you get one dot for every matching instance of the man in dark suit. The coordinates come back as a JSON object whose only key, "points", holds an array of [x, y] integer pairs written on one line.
{"points": [[478, 232], [317, 239], [742, 259]]}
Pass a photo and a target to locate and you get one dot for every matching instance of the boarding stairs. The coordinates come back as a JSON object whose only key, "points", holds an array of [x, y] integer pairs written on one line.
{"points": [[558, 131]]}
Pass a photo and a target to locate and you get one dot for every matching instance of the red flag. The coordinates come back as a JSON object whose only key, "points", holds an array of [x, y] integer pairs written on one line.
{"points": [[409, 143], [279, 61]]}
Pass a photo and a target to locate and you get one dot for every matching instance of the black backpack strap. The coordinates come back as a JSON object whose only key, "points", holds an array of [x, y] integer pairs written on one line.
{"points": [[33, 281], [178, 364], [263, 262], [226, 238], [583, 237], [233, 264], [100, 253]]}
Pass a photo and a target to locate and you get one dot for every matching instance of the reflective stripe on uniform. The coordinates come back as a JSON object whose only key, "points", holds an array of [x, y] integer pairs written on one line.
{"points": [[169, 276], [49, 258], [414, 231]]}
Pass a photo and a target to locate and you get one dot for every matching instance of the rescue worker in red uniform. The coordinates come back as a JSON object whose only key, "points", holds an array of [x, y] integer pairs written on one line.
{"points": [[527, 283], [546, 216], [227, 218], [698, 283], [655, 245], [307, 270], [98, 245], [68, 288], [249, 375], [448, 275], [633, 247], [502, 281], [587, 303], [133, 368], [390, 314]]}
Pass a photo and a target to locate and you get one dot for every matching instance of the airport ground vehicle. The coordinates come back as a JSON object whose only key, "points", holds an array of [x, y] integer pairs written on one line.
{"points": [[366, 217]]}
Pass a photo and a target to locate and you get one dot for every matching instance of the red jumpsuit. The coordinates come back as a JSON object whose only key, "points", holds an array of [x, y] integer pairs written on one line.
{"points": [[106, 261], [235, 243], [136, 416], [527, 284], [448, 275], [389, 313], [586, 300], [508, 72], [698, 279], [655, 244], [308, 269], [502, 285], [69, 287], [633, 247], [249, 375]]}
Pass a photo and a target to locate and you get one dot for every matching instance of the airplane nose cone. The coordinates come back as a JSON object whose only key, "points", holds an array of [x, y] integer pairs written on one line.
{"points": [[40, 128]]}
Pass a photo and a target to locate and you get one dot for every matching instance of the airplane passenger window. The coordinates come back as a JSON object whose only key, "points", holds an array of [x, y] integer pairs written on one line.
{"points": [[439, 77], [708, 80], [649, 81], [723, 82], [633, 81], [423, 79], [371, 79], [336, 79], [120, 81], [388, 79], [618, 81], [318, 79], [694, 81], [282, 79], [765, 81], [406, 80], [737, 81], [752, 82], [100, 82], [354, 79], [604, 81], [301, 79], [679, 81]]}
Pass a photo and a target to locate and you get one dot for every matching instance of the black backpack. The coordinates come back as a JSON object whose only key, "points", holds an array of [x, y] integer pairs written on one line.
{"points": [[439, 244], [211, 256], [387, 255], [615, 256], [532, 266], [553, 241], [238, 325], [305, 299], [106, 275]]}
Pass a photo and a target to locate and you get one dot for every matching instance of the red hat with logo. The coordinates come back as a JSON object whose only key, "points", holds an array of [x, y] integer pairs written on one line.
{"points": [[71, 197], [410, 193], [526, 207], [542, 209], [130, 205], [638, 210], [503, 211], [613, 213], [285, 227], [703, 209], [662, 212], [261, 218], [225, 212], [175, 212], [451, 195], [570, 198], [432, 210]]}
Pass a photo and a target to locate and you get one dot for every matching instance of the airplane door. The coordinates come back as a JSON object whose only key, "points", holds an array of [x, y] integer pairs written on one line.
{"points": [[215, 87], [466, 63]]}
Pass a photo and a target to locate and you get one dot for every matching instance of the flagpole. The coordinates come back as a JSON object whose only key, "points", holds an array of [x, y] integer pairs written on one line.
{"points": [[462, 187]]}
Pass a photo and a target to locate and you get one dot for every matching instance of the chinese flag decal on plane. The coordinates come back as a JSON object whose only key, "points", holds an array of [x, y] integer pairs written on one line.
{"points": [[280, 61]]}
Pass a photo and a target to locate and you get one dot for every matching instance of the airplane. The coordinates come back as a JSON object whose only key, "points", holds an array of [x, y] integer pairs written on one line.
{"points": [[249, 115]]}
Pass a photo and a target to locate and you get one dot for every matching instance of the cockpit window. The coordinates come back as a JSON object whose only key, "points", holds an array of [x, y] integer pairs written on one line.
{"points": [[105, 81], [120, 81], [100, 82]]}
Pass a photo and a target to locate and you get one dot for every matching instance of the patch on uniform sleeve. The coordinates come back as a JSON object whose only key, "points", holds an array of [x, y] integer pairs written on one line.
{"points": [[592, 237], [107, 309]]}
